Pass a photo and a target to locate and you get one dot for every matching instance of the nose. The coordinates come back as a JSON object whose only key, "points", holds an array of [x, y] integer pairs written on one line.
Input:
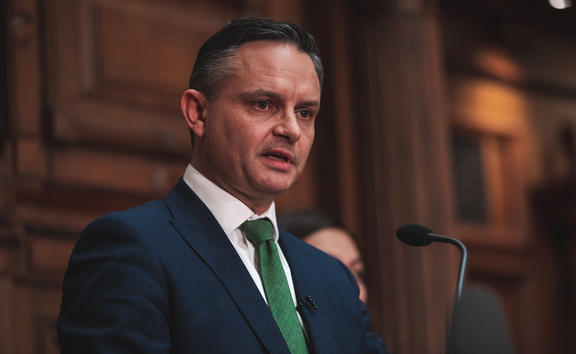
{"points": [[288, 127]]}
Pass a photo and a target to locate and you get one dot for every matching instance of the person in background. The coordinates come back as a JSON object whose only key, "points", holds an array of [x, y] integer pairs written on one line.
{"points": [[326, 234]]}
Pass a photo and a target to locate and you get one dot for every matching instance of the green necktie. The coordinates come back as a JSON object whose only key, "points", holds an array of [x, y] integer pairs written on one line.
{"points": [[260, 233]]}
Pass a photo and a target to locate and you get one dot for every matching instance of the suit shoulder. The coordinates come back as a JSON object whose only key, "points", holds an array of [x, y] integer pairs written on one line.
{"points": [[142, 222], [140, 216]]}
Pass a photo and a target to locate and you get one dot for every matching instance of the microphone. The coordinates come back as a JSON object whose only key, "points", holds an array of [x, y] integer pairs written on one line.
{"points": [[311, 302], [308, 302], [418, 235]]}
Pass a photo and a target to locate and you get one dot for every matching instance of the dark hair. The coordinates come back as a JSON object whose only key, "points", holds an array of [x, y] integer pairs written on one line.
{"points": [[303, 222], [212, 66]]}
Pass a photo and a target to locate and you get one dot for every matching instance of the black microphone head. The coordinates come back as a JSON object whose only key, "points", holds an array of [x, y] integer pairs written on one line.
{"points": [[414, 235]]}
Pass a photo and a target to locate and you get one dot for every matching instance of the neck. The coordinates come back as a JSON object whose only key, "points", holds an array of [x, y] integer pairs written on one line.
{"points": [[257, 209], [258, 205]]}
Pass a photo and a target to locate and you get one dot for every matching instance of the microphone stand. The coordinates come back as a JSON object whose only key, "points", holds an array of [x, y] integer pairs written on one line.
{"points": [[463, 259]]}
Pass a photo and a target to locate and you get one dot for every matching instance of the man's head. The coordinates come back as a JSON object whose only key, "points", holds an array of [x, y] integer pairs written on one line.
{"points": [[251, 109], [212, 65]]}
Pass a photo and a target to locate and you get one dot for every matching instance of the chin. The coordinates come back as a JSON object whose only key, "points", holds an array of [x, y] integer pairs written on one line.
{"points": [[277, 183], [276, 187]]}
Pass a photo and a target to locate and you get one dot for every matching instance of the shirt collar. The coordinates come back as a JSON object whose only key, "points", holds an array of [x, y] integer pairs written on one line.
{"points": [[229, 211]]}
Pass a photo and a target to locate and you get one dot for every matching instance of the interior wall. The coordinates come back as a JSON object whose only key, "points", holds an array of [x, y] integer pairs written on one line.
{"points": [[92, 125], [511, 88]]}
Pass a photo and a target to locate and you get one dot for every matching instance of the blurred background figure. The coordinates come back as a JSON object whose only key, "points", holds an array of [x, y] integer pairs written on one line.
{"points": [[479, 324], [328, 235]]}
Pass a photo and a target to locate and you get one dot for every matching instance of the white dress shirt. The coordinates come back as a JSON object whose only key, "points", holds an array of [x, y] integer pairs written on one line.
{"points": [[231, 213]]}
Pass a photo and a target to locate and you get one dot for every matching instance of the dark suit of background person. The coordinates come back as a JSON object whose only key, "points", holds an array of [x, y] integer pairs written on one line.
{"points": [[165, 277]]}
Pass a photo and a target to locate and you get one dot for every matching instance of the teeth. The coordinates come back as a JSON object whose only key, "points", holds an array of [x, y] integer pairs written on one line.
{"points": [[277, 157]]}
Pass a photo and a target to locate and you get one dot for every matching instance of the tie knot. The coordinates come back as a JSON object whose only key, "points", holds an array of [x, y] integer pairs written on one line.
{"points": [[258, 231]]}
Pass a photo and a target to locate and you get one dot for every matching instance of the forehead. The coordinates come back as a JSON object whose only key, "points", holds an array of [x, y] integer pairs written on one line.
{"points": [[261, 62], [334, 241]]}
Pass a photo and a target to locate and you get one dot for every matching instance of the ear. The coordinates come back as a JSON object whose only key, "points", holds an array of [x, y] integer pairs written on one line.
{"points": [[194, 109]]}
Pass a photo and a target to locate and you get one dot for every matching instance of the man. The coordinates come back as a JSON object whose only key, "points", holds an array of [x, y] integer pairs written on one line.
{"points": [[205, 270]]}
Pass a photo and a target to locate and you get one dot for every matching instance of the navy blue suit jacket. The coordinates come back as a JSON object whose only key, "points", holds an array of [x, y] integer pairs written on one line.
{"points": [[164, 278]]}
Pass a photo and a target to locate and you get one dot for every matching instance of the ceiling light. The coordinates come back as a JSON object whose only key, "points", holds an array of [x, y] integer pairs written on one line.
{"points": [[560, 4]]}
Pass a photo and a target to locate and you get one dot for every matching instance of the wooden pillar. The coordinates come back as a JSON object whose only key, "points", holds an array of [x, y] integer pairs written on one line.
{"points": [[404, 170]]}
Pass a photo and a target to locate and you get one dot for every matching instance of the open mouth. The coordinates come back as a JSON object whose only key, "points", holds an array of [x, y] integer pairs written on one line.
{"points": [[278, 156]]}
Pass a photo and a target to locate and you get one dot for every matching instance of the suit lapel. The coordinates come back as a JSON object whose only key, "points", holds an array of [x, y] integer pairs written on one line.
{"points": [[305, 278], [196, 224]]}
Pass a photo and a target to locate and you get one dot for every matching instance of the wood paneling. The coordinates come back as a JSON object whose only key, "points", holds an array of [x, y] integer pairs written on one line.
{"points": [[94, 89], [506, 88], [92, 95], [6, 323], [35, 309], [48, 254], [404, 163], [119, 68], [129, 173]]}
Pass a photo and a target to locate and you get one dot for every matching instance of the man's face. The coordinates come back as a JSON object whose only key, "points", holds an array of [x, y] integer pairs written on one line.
{"points": [[259, 128]]}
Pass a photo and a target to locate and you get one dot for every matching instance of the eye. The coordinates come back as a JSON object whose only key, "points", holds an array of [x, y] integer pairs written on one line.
{"points": [[306, 114], [261, 105]]}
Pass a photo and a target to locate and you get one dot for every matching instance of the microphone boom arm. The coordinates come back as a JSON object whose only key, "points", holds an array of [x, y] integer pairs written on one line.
{"points": [[463, 259]]}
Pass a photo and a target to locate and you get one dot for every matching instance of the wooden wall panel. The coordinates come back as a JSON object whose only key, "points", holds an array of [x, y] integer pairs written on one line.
{"points": [[47, 255], [95, 125], [24, 61], [404, 162], [6, 310], [128, 173], [518, 276], [512, 86], [120, 67], [36, 304]]}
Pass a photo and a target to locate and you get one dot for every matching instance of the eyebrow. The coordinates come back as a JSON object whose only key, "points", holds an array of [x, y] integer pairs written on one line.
{"points": [[276, 96]]}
